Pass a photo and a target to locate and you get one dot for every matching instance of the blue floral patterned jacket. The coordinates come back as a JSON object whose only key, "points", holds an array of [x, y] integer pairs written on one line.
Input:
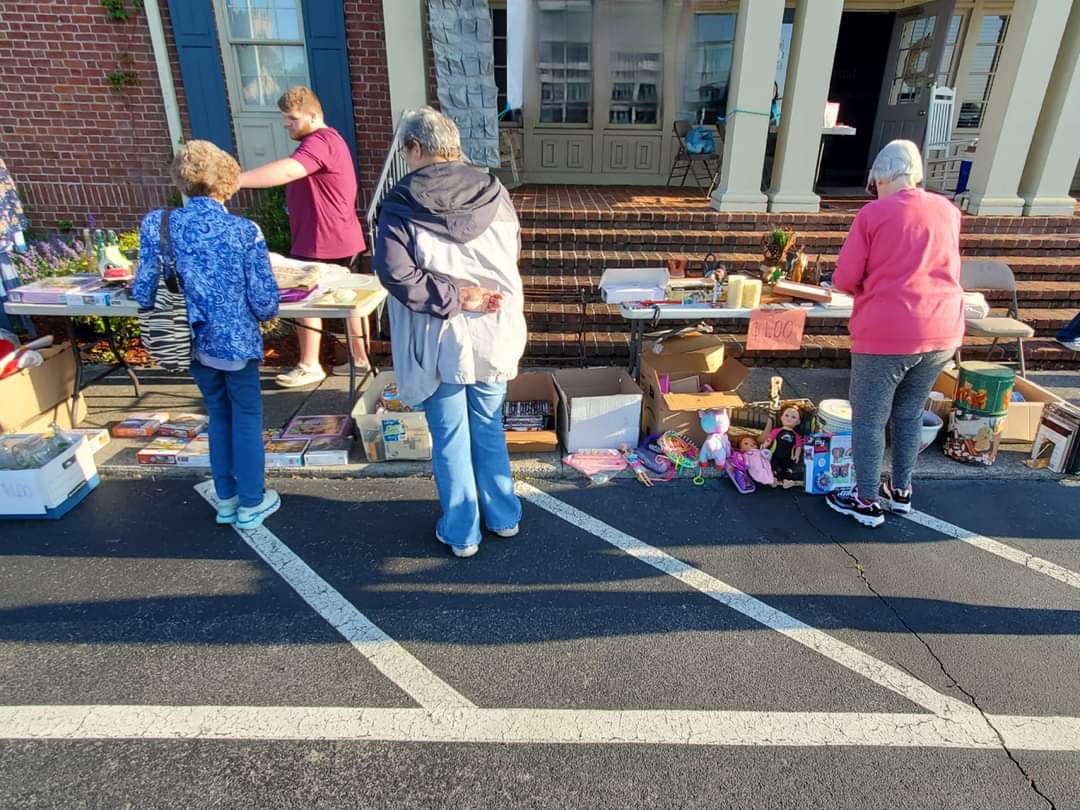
{"points": [[225, 269]]}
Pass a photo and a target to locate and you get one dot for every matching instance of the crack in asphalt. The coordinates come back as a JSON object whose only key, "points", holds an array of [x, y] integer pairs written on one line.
{"points": [[941, 664]]}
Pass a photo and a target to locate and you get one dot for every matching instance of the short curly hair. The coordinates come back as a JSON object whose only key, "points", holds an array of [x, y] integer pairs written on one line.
{"points": [[203, 170], [300, 99]]}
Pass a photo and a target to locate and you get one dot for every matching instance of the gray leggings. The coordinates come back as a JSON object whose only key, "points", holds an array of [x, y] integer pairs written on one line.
{"points": [[884, 388]]}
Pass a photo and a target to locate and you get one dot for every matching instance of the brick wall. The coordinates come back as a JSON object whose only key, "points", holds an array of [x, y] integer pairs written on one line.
{"points": [[76, 147], [80, 149], [371, 90]]}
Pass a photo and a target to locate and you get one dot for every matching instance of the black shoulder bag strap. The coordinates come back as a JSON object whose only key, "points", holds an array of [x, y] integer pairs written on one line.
{"points": [[166, 257]]}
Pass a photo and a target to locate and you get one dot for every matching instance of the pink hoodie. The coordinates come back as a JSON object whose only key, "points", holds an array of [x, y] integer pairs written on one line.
{"points": [[901, 261]]}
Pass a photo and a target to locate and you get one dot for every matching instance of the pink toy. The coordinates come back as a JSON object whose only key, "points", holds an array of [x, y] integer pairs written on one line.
{"points": [[717, 447], [754, 460]]}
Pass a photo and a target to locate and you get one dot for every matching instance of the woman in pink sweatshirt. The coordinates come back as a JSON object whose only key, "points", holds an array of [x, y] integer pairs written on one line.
{"points": [[901, 262]]}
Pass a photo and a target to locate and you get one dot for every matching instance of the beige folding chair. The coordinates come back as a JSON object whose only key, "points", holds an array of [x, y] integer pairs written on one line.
{"points": [[702, 167], [981, 274]]}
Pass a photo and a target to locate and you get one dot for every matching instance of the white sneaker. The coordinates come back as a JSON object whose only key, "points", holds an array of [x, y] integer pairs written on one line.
{"points": [[301, 375], [343, 370], [251, 517], [226, 511], [511, 532], [459, 551], [1071, 345]]}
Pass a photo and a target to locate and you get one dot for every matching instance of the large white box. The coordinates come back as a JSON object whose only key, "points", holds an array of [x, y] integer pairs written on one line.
{"points": [[390, 435], [599, 408], [49, 491], [621, 284]]}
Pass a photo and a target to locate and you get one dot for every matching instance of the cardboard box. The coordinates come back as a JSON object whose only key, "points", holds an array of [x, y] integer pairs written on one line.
{"points": [[183, 425], [141, 425], [161, 451], [1058, 439], [286, 452], [196, 453], [599, 408], [327, 451], [60, 413], [528, 387], [691, 353], [622, 284], [33, 392], [390, 436], [52, 490], [1022, 421], [97, 438]]}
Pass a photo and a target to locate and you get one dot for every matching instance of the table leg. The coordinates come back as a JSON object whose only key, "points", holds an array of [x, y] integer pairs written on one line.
{"points": [[820, 157], [637, 331], [352, 366], [111, 338], [78, 372]]}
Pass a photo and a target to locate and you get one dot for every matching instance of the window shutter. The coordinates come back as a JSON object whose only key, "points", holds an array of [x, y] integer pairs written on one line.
{"points": [[196, 38], [328, 64]]}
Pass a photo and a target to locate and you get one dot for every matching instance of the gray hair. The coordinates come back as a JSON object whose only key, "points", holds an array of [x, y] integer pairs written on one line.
{"points": [[437, 135], [897, 159]]}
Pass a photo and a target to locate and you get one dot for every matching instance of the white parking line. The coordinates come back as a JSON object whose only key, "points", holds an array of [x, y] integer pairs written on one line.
{"points": [[389, 657], [996, 547], [535, 726], [847, 656]]}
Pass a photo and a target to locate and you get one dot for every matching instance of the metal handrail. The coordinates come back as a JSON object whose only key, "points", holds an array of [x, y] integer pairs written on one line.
{"points": [[394, 168]]}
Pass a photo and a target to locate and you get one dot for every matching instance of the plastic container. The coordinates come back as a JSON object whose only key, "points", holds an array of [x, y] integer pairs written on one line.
{"points": [[931, 427], [834, 416]]}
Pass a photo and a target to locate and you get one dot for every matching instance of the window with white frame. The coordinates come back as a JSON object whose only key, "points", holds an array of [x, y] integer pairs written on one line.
{"points": [[266, 38], [708, 67], [916, 43], [984, 65], [636, 62], [565, 61], [947, 69]]}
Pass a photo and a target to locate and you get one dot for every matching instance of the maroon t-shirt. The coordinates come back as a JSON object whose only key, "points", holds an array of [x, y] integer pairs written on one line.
{"points": [[322, 206]]}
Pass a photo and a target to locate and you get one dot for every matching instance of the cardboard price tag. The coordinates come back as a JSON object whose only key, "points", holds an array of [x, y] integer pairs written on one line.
{"points": [[775, 329]]}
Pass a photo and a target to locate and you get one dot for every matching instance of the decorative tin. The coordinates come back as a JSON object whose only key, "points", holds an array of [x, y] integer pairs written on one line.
{"points": [[973, 438], [984, 388]]}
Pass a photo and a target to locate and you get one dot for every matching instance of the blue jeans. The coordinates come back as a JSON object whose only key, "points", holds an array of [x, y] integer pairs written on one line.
{"points": [[234, 404], [1071, 331], [470, 461]]}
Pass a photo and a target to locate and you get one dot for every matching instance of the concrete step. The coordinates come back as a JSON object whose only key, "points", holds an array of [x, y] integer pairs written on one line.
{"points": [[674, 240]]}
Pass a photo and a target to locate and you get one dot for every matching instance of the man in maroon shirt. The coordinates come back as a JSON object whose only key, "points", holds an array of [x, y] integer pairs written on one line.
{"points": [[320, 194]]}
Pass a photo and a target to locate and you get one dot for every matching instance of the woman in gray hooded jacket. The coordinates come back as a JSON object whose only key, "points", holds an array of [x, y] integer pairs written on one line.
{"points": [[447, 251]]}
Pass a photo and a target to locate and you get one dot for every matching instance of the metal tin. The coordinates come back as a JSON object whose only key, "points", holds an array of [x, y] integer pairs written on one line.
{"points": [[984, 389]]}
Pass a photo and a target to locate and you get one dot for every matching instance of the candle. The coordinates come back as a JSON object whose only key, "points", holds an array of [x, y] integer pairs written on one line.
{"points": [[734, 291], [751, 293]]}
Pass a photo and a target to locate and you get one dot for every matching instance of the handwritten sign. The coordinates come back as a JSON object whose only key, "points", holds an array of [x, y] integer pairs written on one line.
{"points": [[774, 329]]}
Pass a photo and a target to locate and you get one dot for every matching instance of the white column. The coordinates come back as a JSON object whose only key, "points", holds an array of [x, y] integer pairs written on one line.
{"points": [[806, 89], [1027, 60], [757, 45], [404, 30], [1047, 178]]}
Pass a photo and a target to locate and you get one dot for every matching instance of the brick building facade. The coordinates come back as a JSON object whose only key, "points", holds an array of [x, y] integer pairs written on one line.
{"points": [[85, 131]]}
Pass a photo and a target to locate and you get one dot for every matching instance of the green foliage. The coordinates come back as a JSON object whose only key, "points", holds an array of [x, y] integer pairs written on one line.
{"points": [[129, 241], [116, 10], [64, 225], [269, 214], [123, 79]]}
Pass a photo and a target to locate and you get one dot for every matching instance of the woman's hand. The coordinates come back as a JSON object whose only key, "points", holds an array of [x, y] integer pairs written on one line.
{"points": [[479, 299]]}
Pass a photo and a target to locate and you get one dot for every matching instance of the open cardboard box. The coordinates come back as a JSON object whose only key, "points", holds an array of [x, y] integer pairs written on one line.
{"points": [[32, 397], [389, 436], [599, 408], [528, 387], [678, 409], [1022, 421]]}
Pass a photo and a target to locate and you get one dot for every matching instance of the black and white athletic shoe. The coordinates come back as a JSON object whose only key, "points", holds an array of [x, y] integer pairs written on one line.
{"points": [[895, 500], [848, 502]]}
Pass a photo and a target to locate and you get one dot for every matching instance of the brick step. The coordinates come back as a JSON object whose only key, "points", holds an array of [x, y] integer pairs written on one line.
{"points": [[592, 262], [676, 217], [608, 348], [725, 242], [546, 317]]}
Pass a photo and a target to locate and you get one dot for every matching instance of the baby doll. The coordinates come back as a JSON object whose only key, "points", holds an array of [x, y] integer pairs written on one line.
{"points": [[749, 461], [785, 443], [717, 447]]}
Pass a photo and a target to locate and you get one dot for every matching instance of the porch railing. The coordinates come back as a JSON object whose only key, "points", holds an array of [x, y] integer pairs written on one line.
{"points": [[394, 168]]}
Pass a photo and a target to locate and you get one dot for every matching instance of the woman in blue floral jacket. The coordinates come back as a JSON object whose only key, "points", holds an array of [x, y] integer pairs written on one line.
{"points": [[224, 267]]}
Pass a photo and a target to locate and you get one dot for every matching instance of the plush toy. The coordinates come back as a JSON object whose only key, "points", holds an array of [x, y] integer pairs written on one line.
{"points": [[717, 447], [785, 444]]}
